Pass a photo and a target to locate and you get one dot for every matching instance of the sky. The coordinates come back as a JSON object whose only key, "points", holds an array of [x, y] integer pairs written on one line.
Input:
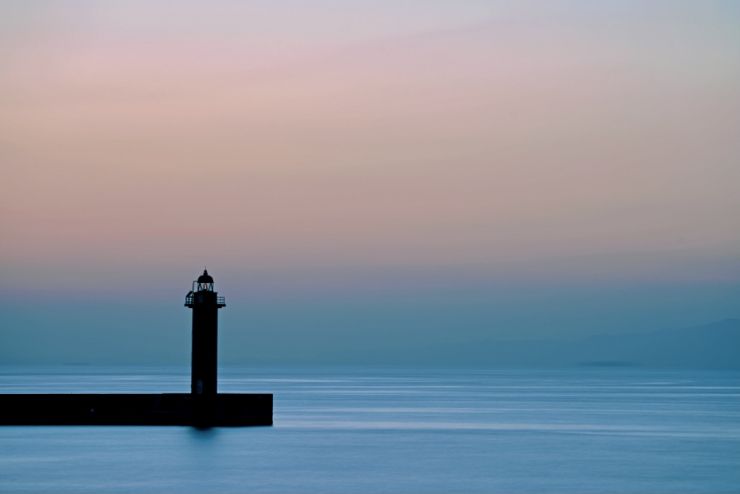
{"points": [[401, 173]]}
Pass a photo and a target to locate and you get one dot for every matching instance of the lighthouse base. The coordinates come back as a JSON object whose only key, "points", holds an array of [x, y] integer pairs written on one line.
{"points": [[224, 410]]}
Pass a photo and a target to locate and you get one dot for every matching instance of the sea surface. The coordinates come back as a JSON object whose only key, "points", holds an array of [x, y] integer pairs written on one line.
{"points": [[362, 430]]}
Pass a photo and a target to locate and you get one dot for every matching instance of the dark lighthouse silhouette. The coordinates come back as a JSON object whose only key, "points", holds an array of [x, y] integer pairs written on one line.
{"points": [[203, 407], [205, 303]]}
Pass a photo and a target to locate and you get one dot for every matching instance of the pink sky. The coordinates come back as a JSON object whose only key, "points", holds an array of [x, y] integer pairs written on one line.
{"points": [[281, 136]]}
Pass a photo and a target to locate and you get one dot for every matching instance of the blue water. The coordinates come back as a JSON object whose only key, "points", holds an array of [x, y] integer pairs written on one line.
{"points": [[364, 430]]}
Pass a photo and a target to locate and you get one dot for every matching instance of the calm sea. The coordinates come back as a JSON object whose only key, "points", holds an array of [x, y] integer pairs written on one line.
{"points": [[609, 430]]}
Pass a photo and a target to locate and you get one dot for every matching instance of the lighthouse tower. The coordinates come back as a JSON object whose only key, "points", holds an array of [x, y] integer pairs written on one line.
{"points": [[203, 407], [205, 303]]}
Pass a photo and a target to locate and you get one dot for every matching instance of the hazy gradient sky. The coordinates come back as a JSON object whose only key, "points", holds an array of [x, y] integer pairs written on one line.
{"points": [[419, 169]]}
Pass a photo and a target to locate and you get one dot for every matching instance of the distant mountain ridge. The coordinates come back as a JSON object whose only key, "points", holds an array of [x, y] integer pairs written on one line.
{"points": [[710, 346], [713, 345]]}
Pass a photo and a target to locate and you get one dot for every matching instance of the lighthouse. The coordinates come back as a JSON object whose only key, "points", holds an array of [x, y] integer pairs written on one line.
{"points": [[205, 302], [203, 407]]}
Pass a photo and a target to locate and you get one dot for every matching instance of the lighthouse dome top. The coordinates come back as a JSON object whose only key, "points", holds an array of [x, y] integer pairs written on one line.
{"points": [[205, 277], [203, 293]]}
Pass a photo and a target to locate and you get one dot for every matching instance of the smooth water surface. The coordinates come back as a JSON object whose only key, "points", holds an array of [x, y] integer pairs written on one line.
{"points": [[366, 430]]}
